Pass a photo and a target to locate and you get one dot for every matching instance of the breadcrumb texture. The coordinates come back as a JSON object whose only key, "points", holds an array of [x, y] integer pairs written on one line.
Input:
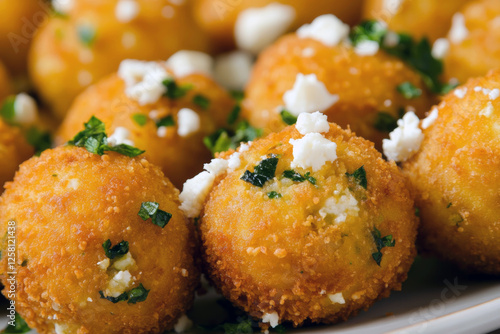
{"points": [[456, 175], [279, 255], [364, 84], [66, 204], [179, 157]]}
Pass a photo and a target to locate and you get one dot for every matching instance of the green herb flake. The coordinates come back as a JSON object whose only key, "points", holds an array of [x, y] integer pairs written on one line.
{"points": [[151, 210], [24, 263], [175, 91], [87, 34], [40, 140], [417, 212], [166, 121], [202, 101], [287, 117], [274, 194], [117, 250], [385, 122], [225, 139], [237, 95], [297, 177], [371, 30], [217, 142], [114, 300], [7, 112], [20, 326], [262, 173], [359, 176], [409, 90], [138, 294], [449, 205], [140, 119], [381, 243], [233, 116], [243, 327]]}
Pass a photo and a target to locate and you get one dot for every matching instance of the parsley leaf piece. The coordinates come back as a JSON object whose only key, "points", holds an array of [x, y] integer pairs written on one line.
{"points": [[359, 176], [114, 300], [92, 128], [381, 243], [117, 250], [243, 327], [40, 140], [20, 326], [140, 119], [274, 194], [233, 116], [217, 142], [370, 30], [385, 122], [237, 95], [7, 112], [202, 101], [137, 295], [124, 149], [409, 90], [297, 177], [166, 121], [151, 210], [262, 173], [417, 212], [87, 34], [225, 139], [287, 117], [175, 91]]}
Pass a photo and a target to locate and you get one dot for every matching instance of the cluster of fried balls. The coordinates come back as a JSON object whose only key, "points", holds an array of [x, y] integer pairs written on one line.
{"points": [[296, 153]]}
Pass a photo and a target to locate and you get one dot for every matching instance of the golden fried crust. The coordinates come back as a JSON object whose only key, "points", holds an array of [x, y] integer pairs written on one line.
{"points": [[66, 204], [456, 175], [479, 52], [279, 255], [179, 157], [14, 149], [217, 18], [5, 86], [19, 22], [365, 85], [62, 66], [419, 18]]}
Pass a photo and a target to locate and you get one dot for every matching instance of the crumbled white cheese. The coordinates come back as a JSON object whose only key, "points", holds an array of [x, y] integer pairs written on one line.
{"points": [[232, 70], [308, 52], [162, 131], [271, 318], [387, 103], [488, 110], [327, 29], [440, 48], [216, 167], [309, 123], [458, 31], [256, 28], [391, 39], [234, 161], [431, 118], [345, 205], [183, 324], [337, 298], [194, 192], [120, 136], [63, 6], [126, 10], [104, 264], [460, 92], [74, 184], [60, 328], [119, 284], [313, 151], [405, 140], [308, 95], [366, 48], [494, 94], [25, 110], [184, 63], [392, 6], [90, 299], [189, 122], [143, 80], [125, 262]]}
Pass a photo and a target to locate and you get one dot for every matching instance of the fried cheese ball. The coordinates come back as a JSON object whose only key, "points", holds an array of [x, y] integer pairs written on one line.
{"points": [[86, 261], [456, 174], [169, 129], [419, 18], [304, 226], [474, 40], [20, 20], [218, 18], [305, 75], [71, 52]]}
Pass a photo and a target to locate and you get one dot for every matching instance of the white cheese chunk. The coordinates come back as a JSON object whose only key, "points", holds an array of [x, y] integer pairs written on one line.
{"points": [[309, 123], [271, 318], [120, 136], [405, 140], [342, 207], [25, 110], [119, 284], [189, 122], [143, 80], [313, 151], [183, 63], [216, 167], [337, 298], [183, 324], [327, 29], [366, 48], [232, 70], [125, 262], [126, 10], [431, 118], [440, 48], [460, 92], [194, 192], [488, 110], [63, 6], [458, 32]]}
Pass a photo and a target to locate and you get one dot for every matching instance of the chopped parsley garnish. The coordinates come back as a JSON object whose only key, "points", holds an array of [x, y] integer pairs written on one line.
{"points": [[166, 121], [238, 95], [137, 295], [367, 31], [225, 139], [95, 140], [18, 326], [274, 194], [297, 177], [24, 263], [151, 210], [262, 173], [385, 122], [409, 90], [233, 116], [121, 298], [117, 250], [8, 112], [40, 140], [417, 212], [287, 117], [449, 205], [381, 243], [175, 91], [359, 176], [202, 101], [87, 34], [243, 327], [140, 119]]}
